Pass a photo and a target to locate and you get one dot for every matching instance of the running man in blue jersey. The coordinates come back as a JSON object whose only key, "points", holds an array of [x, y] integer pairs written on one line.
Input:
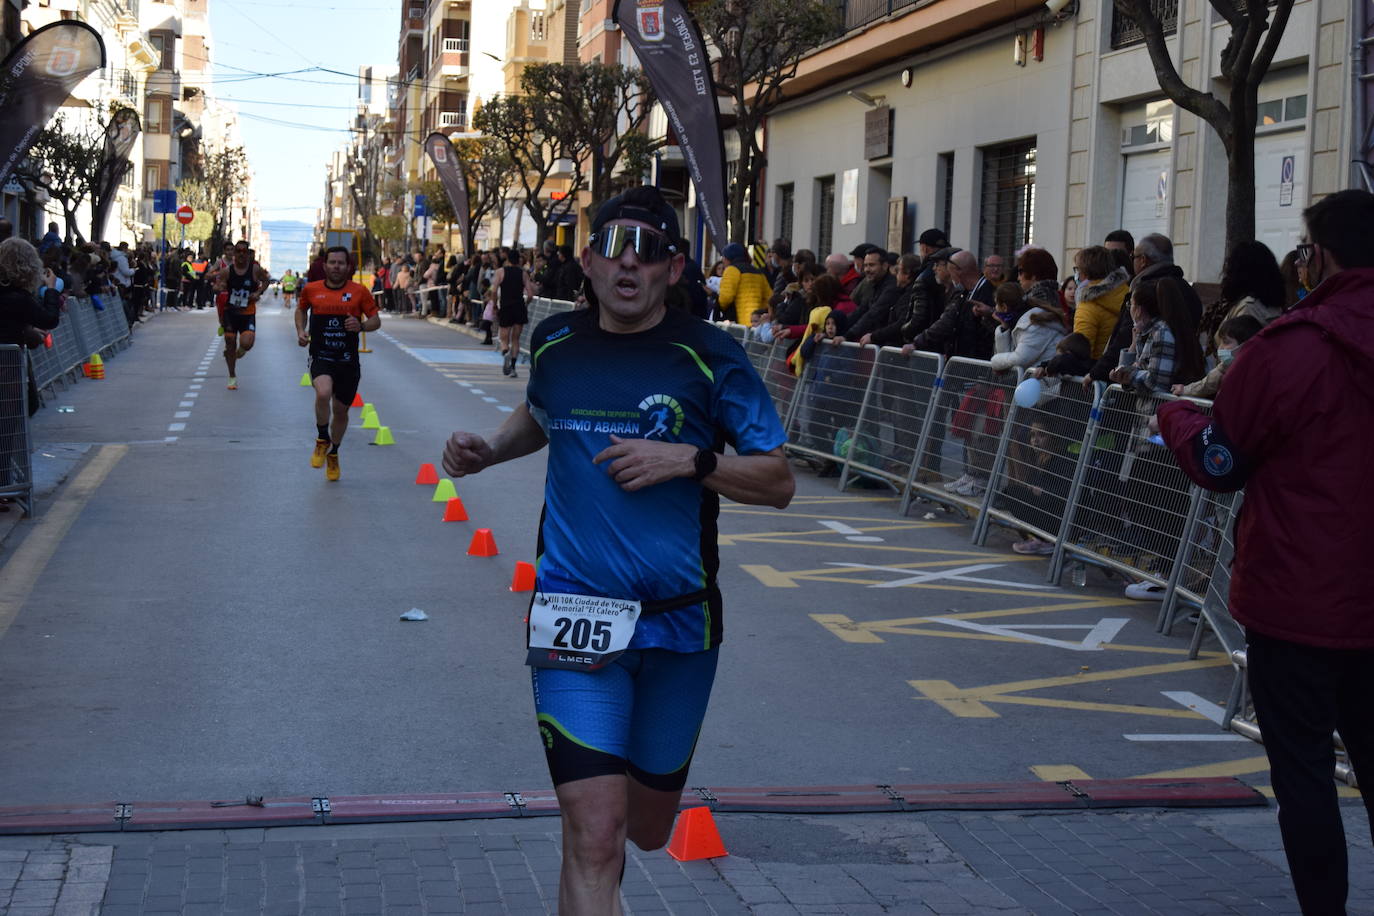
{"points": [[636, 403]]}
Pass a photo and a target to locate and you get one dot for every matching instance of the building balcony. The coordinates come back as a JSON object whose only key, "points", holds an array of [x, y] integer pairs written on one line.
{"points": [[454, 119], [455, 46], [451, 66]]}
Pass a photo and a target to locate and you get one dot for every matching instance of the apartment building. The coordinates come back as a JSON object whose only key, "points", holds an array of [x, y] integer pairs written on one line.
{"points": [[1007, 126]]}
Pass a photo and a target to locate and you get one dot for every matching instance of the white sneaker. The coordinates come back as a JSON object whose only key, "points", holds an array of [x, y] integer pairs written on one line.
{"points": [[975, 487], [954, 485], [1145, 591]]}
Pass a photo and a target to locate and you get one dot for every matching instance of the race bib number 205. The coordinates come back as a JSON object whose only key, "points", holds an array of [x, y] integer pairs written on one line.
{"points": [[579, 632]]}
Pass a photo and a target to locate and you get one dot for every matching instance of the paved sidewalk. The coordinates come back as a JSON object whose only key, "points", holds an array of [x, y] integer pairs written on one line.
{"points": [[1139, 861]]}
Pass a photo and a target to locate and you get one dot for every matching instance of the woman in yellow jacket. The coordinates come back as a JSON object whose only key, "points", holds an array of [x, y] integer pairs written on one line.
{"points": [[743, 287], [1102, 288]]}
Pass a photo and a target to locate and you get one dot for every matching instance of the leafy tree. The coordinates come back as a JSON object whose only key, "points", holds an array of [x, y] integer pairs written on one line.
{"points": [[604, 107], [64, 161], [530, 132], [388, 227], [365, 173], [760, 43], [1244, 62]]}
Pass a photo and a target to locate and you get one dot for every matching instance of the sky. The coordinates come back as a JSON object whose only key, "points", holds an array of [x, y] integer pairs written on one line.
{"points": [[291, 124]]}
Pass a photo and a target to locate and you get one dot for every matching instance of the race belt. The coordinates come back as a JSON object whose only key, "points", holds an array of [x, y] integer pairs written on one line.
{"points": [[588, 632]]}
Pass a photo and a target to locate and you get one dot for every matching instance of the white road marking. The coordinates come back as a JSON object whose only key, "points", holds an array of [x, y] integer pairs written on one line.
{"points": [[181, 415], [851, 534], [1104, 630], [505, 409], [1207, 736], [490, 400], [169, 439], [187, 404], [958, 574], [175, 427], [478, 391], [1206, 708], [197, 387]]}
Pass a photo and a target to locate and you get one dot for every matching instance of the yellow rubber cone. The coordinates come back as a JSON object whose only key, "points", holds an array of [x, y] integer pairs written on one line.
{"points": [[370, 421], [384, 436], [443, 491], [305, 380]]}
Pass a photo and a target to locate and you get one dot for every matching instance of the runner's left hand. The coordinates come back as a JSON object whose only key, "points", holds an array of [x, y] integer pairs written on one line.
{"points": [[352, 324], [639, 463]]}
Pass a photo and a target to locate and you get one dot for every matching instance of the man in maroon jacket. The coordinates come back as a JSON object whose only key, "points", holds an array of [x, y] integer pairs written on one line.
{"points": [[1294, 426]]}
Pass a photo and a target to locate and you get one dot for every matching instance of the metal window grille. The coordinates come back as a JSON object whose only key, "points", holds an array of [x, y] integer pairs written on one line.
{"points": [[1126, 33], [1008, 211], [947, 179], [785, 208], [825, 221]]}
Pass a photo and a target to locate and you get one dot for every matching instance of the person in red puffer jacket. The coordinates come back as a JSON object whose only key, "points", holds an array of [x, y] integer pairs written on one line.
{"points": [[1294, 426]]}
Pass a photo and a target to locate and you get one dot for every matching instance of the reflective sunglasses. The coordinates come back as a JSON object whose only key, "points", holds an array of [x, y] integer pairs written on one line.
{"points": [[650, 247]]}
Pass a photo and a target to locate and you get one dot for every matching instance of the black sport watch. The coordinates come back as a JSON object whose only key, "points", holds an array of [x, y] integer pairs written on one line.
{"points": [[706, 464]]}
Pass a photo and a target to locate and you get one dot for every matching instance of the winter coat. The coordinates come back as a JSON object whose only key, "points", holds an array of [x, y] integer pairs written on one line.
{"points": [[879, 312], [1032, 341], [958, 332], [927, 304], [742, 290], [1099, 305], [1294, 426]]}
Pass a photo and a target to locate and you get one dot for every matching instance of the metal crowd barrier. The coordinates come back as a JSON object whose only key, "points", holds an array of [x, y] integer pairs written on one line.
{"points": [[1078, 470], [16, 468], [82, 331]]}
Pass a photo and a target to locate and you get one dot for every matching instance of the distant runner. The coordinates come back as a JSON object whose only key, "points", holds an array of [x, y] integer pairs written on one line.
{"points": [[289, 284], [237, 288], [331, 313]]}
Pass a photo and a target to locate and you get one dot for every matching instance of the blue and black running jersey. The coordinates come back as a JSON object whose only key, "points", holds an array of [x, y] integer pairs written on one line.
{"points": [[682, 381]]}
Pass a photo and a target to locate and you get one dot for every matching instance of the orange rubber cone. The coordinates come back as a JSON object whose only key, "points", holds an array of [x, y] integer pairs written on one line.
{"points": [[357, 400], [483, 544], [454, 512], [695, 837], [427, 475], [523, 580]]}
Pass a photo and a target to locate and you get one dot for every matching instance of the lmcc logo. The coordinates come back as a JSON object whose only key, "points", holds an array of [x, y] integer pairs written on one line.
{"points": [[660, 415]]}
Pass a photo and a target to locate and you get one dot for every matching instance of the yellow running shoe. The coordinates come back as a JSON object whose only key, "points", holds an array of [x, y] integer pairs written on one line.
{"points": [[331, 466], [317, 456]]}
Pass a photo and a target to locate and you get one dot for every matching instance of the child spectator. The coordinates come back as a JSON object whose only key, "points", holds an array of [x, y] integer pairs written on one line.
{"points": [[760, 326], [1039, 487], [1230, 338], [1073, 356]]}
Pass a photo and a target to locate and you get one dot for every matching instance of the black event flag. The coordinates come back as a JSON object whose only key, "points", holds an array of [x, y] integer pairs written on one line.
{"points": [[36, 78], [670, 48], [450, 169], [120, 134]]}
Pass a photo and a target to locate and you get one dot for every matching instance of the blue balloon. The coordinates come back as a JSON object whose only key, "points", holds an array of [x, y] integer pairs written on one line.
{"points": [[1027, 393]]}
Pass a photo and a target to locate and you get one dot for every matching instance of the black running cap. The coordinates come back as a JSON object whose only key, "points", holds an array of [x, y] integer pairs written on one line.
{"points": [[643, 204]]}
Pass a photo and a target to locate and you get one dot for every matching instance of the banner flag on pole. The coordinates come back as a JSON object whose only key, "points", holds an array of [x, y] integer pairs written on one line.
{"points": [[450, 168], [36, 78], [120, 134], [670, 48]]}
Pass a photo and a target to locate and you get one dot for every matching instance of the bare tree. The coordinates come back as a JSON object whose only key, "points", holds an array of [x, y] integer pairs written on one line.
{"points": [[65, 162], [490, 175], [1244, 62], [529, 131], [224, 173], [605, 106], [760, 43]]}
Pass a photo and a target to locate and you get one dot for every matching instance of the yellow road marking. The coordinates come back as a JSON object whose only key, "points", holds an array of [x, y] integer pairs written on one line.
{"points": [[971, 702], [27, 563], [770, 576], [1226, 768], [1058, 772]]}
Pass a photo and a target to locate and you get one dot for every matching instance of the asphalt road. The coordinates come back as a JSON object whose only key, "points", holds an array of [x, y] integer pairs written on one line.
{"points": [[218, 620]]}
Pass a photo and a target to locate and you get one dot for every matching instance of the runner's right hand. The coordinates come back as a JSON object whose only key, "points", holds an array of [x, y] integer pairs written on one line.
{"points": [[303, 340], [466, 453]]}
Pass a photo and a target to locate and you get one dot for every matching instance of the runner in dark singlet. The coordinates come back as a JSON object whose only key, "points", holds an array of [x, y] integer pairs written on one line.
{"points": [[514, 289], [238, 285], [331, 313]]}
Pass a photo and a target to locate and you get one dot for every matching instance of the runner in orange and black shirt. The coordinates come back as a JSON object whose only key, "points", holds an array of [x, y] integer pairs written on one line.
{"points": [[237, 287], [331, 313]]}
